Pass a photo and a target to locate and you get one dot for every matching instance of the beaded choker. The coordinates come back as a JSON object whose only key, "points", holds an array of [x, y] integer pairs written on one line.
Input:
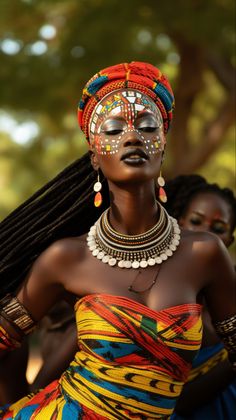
{"points": [[136, 251]]}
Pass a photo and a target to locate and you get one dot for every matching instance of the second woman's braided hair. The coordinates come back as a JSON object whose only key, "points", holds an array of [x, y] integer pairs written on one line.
{"points": [[63, 207], [183, 188]]}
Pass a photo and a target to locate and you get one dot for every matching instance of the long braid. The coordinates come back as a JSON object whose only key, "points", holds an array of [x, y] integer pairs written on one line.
{"points": [[183, 188], [63, 207]]}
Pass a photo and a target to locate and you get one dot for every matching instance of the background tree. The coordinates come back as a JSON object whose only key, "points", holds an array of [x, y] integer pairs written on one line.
{"points": [[48, 49]]}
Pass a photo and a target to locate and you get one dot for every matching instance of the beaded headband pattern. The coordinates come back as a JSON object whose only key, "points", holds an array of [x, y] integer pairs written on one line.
{"points": [[143, 77]]}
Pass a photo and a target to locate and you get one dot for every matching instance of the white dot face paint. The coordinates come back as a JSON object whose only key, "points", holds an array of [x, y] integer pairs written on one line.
{"points": [[123, 112]]}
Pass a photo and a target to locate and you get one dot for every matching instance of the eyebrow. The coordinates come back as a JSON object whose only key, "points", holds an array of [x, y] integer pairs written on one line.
{"points": [[114, 118]]}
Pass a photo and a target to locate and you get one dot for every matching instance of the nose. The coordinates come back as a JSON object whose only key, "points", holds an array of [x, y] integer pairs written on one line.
{"points": [[133, 139]]}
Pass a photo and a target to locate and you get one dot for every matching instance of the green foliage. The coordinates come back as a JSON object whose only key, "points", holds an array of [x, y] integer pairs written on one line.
{"points": [[91, 34]]}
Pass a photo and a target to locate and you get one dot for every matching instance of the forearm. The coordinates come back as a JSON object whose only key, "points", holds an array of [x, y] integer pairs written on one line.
{"points": [[57, 362], [205, 387], [15, 324], [13, 383]]}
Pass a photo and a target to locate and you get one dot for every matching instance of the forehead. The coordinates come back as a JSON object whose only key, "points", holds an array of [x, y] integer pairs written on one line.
{"points": [[120, 102], [211, 204], [125, 98]]}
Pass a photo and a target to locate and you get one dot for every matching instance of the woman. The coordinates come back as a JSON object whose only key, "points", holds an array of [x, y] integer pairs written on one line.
{"points": [[211, 388], [138, 313]]}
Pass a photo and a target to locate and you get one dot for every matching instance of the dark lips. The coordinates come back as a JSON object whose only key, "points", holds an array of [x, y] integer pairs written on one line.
{"points": [[134, 152]]}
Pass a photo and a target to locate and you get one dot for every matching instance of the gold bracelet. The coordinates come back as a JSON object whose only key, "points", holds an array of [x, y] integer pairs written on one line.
{"points": [[226, 330], [15, 313]]}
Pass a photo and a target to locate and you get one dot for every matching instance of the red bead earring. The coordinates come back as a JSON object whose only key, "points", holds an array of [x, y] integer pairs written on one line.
{"points": [[98, 196], [161, 193]]}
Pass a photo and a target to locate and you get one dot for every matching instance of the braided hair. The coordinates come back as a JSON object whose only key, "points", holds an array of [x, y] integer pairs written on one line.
{"points": [[61, 208], [183, 188]]}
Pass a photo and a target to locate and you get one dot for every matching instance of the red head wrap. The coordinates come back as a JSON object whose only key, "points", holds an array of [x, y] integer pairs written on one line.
{"points": [[140, 76]]}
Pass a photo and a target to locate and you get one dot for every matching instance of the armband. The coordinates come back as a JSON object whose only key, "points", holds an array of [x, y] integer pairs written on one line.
{"points": [[226, 330], [16, 314]]}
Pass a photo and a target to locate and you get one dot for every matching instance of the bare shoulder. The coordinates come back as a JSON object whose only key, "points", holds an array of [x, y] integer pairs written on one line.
{"points": [[203, 244], [59, 255], [44, 285]]}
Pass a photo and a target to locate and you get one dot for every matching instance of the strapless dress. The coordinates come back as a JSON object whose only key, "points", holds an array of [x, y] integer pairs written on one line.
{"points": [[131, 363]]}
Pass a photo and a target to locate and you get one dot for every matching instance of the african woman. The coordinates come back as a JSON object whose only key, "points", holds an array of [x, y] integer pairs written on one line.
{"points": [[136, 281]]}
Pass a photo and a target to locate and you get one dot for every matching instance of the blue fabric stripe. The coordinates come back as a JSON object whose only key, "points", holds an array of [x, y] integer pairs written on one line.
{"points": [[164, 95], [206, 353], [26, 412], [96, 84], [71, 410], [127, 391], [113, 352]]}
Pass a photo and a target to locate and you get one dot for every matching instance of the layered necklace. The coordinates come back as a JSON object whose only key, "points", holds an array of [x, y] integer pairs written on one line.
{"points": [[134, 251]]}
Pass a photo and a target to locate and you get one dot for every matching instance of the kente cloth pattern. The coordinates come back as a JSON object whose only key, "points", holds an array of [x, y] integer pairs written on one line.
{"points": [[143, 77], [131, 364], [223, 405]]}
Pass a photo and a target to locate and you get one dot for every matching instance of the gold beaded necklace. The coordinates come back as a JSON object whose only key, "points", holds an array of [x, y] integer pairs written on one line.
{"points": [[134, 251]]}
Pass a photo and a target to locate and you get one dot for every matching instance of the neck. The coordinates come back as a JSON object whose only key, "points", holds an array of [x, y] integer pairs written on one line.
{"points": [[134, 210]]}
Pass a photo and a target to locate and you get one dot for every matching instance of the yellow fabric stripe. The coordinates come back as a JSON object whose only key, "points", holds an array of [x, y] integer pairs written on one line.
{"points": [[208, 365], [93, 386]]}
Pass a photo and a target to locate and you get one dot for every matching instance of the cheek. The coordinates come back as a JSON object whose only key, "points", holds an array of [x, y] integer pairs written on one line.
{"points": [[152, 143], [106, 145]]}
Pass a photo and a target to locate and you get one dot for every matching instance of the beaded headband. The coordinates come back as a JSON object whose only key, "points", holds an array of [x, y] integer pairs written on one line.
{"points": [[143, 77]]}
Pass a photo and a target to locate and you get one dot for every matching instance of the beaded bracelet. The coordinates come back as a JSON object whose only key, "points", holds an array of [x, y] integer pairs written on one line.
{"points": [[15, 313]]}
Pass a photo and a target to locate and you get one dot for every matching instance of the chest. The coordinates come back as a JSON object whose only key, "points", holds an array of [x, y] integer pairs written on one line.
{"points": [[171, 283]]}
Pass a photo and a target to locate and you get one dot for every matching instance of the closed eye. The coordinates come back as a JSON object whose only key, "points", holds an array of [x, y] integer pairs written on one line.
{"points": [[113, 132], [195, 222], [148, 129]]}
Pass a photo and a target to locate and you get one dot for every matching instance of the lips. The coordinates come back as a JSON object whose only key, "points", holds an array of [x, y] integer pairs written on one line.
{"points": [[133, 155]]}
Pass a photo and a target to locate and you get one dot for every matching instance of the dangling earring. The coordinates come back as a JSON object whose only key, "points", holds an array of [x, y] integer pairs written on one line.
{"points": [[161, 193], [98, 196]]}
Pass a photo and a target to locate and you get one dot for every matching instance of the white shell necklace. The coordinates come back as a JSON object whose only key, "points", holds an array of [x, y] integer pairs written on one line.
{"points": [[136, 251]]}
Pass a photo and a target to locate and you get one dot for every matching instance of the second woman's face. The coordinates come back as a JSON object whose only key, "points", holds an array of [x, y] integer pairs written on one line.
{"points": [[209, 212], [126, 136]]}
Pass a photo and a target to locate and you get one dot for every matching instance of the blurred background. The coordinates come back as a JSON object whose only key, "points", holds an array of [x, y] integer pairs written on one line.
{"points": [[48, 50]]}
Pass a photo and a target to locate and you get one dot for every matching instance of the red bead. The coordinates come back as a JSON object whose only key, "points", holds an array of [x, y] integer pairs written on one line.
{"points": [[98, 199], [162, 195]]}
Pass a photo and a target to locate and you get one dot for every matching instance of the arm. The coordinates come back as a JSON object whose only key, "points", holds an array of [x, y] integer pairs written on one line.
{"points": [[221, 303], [39, 292], [14, 366], [202, 389], [220, 294], [57, 362]]}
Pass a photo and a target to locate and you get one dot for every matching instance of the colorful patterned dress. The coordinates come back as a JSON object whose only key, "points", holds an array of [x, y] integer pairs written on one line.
{"points": [[131, 364], [223, 405]]}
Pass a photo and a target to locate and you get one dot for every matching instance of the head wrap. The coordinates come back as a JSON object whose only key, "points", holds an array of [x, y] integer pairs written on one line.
{"points": [[143, 77]]}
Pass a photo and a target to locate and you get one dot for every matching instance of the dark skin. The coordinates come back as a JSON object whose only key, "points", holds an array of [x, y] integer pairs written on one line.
{"points": [[67, 268], [207, 211], [15, 362]]}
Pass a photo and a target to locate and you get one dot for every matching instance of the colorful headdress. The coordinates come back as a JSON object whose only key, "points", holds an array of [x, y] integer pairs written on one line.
{"points": [[143, 77]]}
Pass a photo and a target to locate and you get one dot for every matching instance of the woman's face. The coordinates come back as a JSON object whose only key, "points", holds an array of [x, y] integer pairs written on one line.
{"points": [[209, 212], [126, 136]]}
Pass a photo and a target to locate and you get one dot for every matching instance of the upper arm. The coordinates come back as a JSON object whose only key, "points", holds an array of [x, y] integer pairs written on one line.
{"points": [[43, 287], [220, 292]]}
